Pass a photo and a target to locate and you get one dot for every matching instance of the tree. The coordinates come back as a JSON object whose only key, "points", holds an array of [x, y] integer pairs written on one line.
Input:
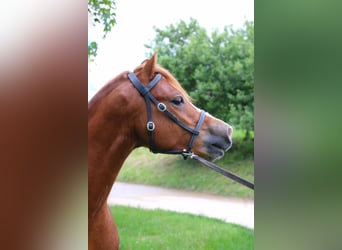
{"points": [[102, 12], [216, 70]]}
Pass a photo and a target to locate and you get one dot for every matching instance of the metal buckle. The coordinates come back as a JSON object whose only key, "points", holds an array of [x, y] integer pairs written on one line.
{"points": [[150, 126], [161, 107], [186, 153]]}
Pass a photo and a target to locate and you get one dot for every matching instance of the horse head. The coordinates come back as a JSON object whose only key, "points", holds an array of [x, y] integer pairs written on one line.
{"points": [[174, 117]]}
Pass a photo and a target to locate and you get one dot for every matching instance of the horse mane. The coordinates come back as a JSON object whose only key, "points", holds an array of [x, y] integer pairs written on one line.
{"points": [[105, 90]]}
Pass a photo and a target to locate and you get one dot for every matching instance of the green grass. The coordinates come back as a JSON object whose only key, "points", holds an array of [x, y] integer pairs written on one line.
{"points": [[157, 229], [144, 167]]}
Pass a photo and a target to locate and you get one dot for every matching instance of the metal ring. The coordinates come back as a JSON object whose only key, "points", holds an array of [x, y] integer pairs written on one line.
{"points": [[150, 126], [161, 107]]}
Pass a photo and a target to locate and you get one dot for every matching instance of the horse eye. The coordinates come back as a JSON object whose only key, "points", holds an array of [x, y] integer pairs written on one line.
{"points": [[177, 101]]}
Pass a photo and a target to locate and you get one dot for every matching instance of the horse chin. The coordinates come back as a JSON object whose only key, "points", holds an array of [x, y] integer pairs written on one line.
{"points": [[211, 153], [215, 153]]}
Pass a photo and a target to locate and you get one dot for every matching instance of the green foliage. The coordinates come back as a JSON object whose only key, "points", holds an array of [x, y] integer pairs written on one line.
{"points": [[216, 69], [102, 12], [92, 50], [157, 229]]}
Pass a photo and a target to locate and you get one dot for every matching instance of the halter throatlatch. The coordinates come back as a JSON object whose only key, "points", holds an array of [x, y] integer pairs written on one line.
{"points": [[150, 126]]}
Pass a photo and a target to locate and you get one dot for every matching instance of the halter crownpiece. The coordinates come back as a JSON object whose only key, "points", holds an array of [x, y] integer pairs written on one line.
{"points": [[145, 92]]}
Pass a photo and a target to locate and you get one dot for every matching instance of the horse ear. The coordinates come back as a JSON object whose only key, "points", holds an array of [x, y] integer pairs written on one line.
{"points": [[149, 66]]}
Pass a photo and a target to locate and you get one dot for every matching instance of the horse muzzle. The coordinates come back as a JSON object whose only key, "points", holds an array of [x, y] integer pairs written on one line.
{"points": [[217, 141]]}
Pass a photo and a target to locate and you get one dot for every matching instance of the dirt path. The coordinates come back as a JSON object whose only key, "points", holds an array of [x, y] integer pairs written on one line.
{"points": [[237, 211]]}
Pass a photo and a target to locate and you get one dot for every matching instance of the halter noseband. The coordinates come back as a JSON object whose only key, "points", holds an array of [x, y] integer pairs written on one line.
{"points": [[150, 126]]}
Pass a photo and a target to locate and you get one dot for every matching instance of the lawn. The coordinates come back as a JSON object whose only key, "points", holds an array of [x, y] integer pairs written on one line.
{"points": [[157, 229]]}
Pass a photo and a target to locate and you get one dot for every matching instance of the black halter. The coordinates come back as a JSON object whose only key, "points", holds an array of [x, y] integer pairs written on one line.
{"points": [[145, 92]]}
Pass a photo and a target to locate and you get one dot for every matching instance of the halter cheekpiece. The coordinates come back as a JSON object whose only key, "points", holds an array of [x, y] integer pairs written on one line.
{"points": [[150, 126]]}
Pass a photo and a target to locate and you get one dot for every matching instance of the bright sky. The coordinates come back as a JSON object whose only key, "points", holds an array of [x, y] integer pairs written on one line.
{"points": [[123, 49]]}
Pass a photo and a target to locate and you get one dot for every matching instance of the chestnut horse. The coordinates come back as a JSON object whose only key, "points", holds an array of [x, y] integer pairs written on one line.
{"points": [[149, 108]]}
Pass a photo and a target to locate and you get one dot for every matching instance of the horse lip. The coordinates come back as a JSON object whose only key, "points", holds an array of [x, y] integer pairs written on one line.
{"points": [[225, 148], [215, 152], [216, 146]]}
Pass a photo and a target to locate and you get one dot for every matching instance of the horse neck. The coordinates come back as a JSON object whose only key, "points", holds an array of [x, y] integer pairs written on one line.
{"points": [[107, 150]]}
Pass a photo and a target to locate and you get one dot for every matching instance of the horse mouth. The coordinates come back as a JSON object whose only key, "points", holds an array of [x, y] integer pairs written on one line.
{"points": [[215, 145], [215, 151]]}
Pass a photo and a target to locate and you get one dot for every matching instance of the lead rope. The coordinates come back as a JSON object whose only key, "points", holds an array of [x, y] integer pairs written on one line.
{"points": [[221, 170]]}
